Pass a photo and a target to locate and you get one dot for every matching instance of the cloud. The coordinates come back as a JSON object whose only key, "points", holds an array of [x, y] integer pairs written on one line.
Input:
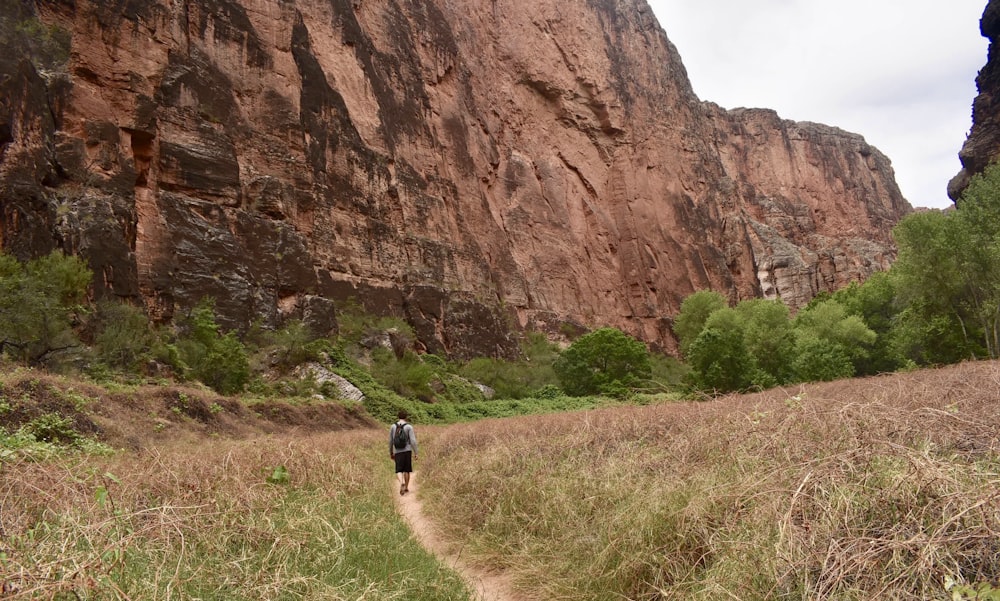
{"points": [[900, 74]]}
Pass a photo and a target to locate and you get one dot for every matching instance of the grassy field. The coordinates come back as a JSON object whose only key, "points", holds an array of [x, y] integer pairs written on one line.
{"points": [[880, 488], [282, 517]]}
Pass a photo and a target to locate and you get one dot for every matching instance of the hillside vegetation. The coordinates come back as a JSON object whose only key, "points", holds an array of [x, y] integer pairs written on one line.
{"points": [[225, 506], [877, 488]]}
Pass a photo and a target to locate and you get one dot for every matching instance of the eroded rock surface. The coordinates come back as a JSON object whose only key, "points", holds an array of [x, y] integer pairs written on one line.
{"points": [[982, 147], [475, 166]]}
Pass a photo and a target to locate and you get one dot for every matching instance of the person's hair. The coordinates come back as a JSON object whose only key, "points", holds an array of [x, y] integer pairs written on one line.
{"points": [[403, 414]]}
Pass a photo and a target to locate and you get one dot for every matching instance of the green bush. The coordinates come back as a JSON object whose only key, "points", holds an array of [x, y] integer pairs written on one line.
{"points": [[226, 367], [456, 389], [407, 376], [124, 339], [219, 361], [53, 428], [821, 360], [825, 331], [769, 339]]}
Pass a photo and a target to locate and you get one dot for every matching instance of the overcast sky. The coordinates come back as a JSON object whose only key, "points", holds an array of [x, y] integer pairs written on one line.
{"points": [[900, 73]]}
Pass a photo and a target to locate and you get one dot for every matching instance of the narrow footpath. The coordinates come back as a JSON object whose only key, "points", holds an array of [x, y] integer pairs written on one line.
{"points": [[486, 586]]}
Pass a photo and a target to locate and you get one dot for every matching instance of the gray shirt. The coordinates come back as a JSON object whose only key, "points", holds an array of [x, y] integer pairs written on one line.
{"points": [[411, 444]]}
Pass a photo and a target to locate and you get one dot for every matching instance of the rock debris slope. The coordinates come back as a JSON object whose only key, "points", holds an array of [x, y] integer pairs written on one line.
{"points": [[477, 166]]}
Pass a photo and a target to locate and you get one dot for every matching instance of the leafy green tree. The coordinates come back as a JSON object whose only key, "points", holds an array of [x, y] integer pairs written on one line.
{"points": [[948, 271], [875, 303], [826, 331], [718, 356], [226, 368], [927, 337], [977, 219], [769, 340], [605, 360], [931, 286], [694, 312], [39, 302]]}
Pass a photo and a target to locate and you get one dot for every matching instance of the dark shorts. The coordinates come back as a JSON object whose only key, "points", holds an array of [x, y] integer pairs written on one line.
{"points": [[404, 461]]}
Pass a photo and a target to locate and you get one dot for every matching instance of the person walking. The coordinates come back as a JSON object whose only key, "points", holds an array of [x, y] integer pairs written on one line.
{"points": [[403, 449]]}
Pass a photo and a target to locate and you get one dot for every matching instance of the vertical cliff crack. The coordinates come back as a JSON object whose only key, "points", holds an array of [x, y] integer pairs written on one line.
{"points": [[142, 155], [586, 184]]}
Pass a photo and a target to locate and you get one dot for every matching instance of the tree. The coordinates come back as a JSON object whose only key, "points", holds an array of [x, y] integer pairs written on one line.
{"points": [[949, 267], [695, 310], [769, 340], [978, 222], [718, 356], [930, 286], [825, 332], [875, 303], [820, 360], [39, 302], [602, 361]]}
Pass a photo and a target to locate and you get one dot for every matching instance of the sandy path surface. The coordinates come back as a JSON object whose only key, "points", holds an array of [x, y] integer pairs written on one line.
{"points": [[486, 586]]}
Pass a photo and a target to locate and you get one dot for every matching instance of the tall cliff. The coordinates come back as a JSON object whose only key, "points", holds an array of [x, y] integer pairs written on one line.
{"points": [[982, 147], [476, 166]]}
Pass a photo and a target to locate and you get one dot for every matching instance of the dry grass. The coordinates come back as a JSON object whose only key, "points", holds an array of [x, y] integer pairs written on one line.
{"points": [[875, 488], [202, 521]]}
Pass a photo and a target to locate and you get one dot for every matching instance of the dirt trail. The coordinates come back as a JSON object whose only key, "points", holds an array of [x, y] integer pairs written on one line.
{"points": [[486, 586]]}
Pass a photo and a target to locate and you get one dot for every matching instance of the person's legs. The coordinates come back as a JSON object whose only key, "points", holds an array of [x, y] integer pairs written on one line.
{"points": [[404, 466]]}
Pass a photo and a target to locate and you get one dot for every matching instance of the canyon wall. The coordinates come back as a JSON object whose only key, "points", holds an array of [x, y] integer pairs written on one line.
{"points": [[982, 147], [475, 166]]}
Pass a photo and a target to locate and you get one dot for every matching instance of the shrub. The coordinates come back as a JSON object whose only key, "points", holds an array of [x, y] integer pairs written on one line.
{"points": [[39, 301], [124, 338], [408, 376], [769, 339], [219, 361], [226, 367], [839, 336], [821, 360], [53, 428]]}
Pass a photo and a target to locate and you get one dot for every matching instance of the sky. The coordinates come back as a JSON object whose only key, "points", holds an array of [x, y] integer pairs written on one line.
{"points": [[899, 72]]}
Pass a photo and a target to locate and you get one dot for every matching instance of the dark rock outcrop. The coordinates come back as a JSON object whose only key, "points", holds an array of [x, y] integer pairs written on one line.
{"points": [[982, 147], [475, 166]]}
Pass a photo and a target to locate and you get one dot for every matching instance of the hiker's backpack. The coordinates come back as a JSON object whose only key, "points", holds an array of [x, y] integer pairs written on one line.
{"points": [[400, 438]]}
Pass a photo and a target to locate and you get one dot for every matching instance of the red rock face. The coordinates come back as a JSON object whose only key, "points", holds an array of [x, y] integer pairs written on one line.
{"points": [[475, 166]]}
